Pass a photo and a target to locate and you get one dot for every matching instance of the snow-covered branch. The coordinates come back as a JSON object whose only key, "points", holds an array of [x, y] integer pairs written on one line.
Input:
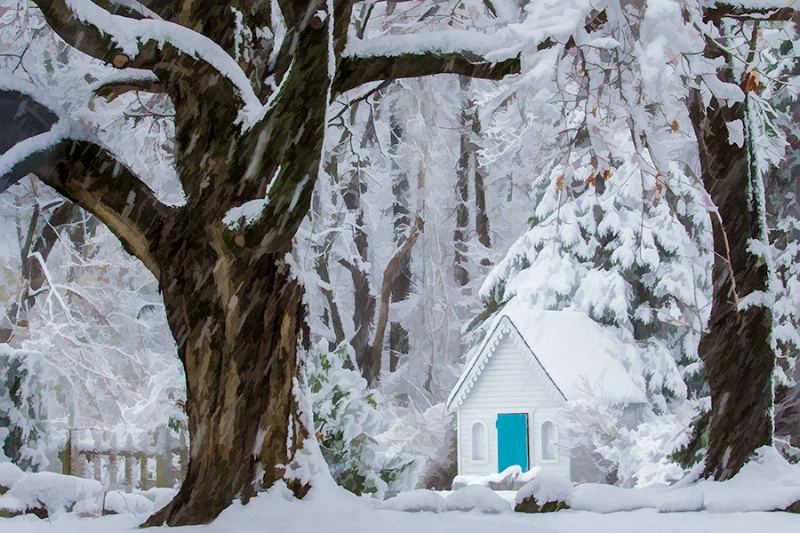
{"points": [[450, 52], [66, 157], [775, 10], [167, 49]]}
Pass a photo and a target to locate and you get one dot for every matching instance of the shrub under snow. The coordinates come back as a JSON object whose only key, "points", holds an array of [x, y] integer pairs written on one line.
{"points": [[476, 498], [545, 493], [416, 501]]}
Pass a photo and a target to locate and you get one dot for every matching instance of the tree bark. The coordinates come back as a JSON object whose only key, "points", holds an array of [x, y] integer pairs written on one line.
{"points": [[736, 347], [237, 337]]}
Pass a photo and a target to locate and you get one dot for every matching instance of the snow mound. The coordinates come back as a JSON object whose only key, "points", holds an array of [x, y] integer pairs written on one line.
{"points": [[159, 496], [545, 488], [766, 483], [54, 492], [511, 477], [415, 501], [10, 474], [477, 498], [122, 503], [609, 499], [9, 505]]}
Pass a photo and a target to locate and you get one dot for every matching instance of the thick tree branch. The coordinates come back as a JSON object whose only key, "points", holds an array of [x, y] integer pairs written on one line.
{"points": [[128, 8], [83, 172], [167, 49], [28, 116], [355, 71], [93, 178]]}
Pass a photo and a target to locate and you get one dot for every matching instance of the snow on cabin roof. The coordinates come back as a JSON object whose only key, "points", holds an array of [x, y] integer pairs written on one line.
{"points": [[580, 356]]}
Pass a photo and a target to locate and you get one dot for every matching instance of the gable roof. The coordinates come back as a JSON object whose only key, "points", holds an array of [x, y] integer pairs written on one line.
{"points": [[580, 356]]}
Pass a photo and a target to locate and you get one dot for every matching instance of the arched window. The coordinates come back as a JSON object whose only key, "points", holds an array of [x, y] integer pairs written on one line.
{"points": [[549, 441], [479, 442]]}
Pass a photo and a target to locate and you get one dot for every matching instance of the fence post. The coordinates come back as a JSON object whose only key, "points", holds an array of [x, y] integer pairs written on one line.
{"points": [[97, 463], [144, 479], [128, 472], [113, 471], [164, 459]]}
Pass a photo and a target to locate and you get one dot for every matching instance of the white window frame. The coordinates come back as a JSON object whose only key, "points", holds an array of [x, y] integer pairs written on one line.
{"points": [[485, 443], [554, 443]]}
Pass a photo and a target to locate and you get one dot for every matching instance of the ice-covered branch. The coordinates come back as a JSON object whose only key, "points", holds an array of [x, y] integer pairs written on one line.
{"points": [[65, 157], [167, 49]]}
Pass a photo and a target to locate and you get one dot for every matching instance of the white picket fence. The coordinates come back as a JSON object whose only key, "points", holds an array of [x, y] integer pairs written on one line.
{"points": [[129, 469]]}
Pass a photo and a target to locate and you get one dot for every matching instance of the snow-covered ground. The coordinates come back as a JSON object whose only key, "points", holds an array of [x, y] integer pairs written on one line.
{"points": [[342, 513], [766, 483]]}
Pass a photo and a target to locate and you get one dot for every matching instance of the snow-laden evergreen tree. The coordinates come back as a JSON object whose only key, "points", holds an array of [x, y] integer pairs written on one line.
{"points": [[619, 227]]}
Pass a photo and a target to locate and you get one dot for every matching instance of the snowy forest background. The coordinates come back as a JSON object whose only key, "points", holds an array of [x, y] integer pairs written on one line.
{"points": [[440, 200]]}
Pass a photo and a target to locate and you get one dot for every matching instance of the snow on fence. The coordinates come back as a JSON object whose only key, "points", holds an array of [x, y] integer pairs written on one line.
{"points": [[127, 468]]}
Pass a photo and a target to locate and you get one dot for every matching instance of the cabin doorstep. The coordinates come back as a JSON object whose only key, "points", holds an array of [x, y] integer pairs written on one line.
{"points": [[510, 399]]}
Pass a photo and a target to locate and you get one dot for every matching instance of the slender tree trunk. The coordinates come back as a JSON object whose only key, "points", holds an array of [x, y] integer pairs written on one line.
{"points": [[401, 281], [364, 299], [465, 168], [736, 348]]}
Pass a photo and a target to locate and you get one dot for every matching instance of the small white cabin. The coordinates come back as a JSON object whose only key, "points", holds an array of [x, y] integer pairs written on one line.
{"points": [[509, 399]]}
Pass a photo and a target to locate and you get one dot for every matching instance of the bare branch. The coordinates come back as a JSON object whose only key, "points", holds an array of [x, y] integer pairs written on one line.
{"points": [[355, 71], [114, 88]]}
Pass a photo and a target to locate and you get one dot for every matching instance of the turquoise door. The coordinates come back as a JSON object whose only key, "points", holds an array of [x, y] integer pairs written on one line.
{"points": [[512, 441]]}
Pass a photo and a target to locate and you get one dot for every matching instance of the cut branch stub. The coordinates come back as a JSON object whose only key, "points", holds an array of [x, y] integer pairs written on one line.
{"points": [[120, 60]]}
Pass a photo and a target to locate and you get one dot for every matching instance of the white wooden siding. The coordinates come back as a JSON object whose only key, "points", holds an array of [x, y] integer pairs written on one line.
{"points": [[509, 384]]}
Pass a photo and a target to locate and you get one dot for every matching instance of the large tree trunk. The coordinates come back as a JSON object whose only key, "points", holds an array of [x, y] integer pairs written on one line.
{"points": [[232, 303], [736, 348], [237, 326]]}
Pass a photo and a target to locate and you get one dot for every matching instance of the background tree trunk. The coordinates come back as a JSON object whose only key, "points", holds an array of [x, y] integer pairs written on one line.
{"points": [[736, 348], [401, 282]]}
